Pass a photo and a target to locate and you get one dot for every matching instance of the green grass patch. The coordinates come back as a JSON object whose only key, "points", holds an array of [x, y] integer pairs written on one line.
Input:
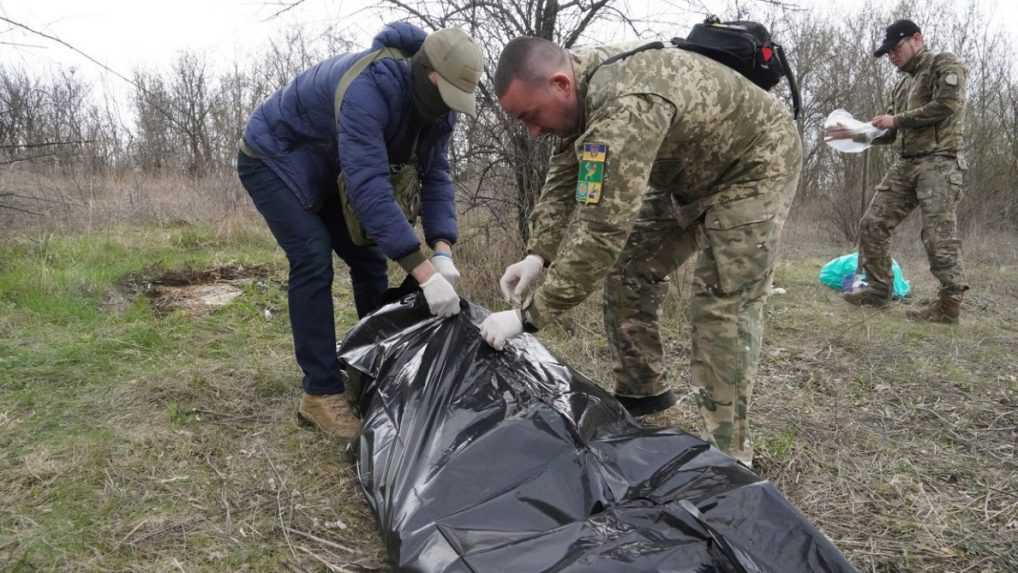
{"points": [[140, 435]]}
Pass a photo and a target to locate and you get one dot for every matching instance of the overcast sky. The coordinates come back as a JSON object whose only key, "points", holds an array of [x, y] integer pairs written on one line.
{"points": [[125, 34]]}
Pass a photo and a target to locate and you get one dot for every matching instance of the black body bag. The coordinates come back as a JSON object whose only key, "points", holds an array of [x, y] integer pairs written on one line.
{"points": [[746, 47], [478, 461]]}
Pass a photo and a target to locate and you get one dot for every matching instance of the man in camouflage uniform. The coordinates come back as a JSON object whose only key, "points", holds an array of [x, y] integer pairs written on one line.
{"points": [[926, 119], [665, 153]]}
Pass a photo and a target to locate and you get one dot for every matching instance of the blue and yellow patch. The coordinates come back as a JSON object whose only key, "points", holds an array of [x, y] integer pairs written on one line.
{"points": [[591, 177]]}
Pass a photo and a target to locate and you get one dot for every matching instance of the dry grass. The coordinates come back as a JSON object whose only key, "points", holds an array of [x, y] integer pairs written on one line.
{"points": [[137, 440], [900, 440], [88, 202]]}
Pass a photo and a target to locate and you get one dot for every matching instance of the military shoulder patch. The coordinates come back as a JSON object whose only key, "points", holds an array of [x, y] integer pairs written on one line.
{"points": [[591, 177], [951, 79]]}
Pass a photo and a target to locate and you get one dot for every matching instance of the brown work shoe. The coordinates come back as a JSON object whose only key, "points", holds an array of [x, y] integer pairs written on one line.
{"points": [[945, 310], [868, 296], [330, 413]]}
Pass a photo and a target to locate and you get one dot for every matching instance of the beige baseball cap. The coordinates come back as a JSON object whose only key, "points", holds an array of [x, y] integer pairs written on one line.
{"points": [[458, 61]]}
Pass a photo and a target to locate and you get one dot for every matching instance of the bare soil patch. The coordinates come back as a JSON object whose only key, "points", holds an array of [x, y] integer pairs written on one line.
{"points": [[195, 291]]}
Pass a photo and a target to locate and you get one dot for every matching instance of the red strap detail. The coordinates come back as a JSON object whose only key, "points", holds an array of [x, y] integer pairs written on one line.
{"points": [[767, 53]]}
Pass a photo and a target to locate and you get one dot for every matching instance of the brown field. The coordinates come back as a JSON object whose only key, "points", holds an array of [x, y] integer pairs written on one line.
{"points": [[141, 434]]}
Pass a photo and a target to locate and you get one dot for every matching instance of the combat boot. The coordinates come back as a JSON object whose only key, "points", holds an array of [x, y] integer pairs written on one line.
{"points": [[869, 296], [330, 413], [946, 309], [645, 405]]}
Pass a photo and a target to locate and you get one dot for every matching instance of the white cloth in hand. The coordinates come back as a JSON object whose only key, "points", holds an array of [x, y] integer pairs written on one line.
{"points": [[441, 296], [445, 266], [519, 277], [863, 133], [499, 327]]}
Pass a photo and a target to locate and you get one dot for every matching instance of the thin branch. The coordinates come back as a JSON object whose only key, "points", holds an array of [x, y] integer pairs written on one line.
{"points": [[324, 542], [284, 10], [280, 484], [30, 198], [45, 144], [26, 158], [12, 208], [426, 18], [21, 45], [69, 46], [582, 26], [117, 74]]}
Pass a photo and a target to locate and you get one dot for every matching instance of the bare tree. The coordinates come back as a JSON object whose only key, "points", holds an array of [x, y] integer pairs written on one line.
{"points": [[190, 118], [190, 106], [154, 129]]}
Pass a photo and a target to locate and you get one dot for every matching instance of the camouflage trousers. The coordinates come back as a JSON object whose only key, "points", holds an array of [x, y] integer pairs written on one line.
{"points": [[737, 242], [934, 184]]}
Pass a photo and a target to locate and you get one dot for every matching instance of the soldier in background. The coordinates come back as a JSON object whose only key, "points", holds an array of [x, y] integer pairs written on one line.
{"points": [[665, 154], [926, 120]]}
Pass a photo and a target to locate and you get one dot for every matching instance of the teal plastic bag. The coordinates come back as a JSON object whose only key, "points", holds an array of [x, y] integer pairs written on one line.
{"points": [[839, 273]]}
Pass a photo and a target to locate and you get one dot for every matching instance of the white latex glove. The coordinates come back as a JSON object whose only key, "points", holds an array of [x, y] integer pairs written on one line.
{"points": [[499, 327], [519, 277], [445, 266], [441, 296]]}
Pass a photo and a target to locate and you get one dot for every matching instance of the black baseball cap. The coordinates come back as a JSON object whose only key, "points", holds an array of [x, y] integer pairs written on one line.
{"points": [[895, 32]]}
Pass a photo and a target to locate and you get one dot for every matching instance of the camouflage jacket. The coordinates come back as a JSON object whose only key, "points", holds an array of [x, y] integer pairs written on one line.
{"points": [[929, 106], [670, 118]]}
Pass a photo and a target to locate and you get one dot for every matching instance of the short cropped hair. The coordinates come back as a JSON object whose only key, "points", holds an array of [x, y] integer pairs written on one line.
{"points": [[528, 59]]}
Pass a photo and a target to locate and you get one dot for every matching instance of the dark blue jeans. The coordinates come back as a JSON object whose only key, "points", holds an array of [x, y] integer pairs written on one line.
{"points": [[309, 239]]}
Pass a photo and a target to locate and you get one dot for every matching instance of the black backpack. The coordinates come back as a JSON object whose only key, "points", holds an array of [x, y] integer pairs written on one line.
{"points": [[746, 47]]}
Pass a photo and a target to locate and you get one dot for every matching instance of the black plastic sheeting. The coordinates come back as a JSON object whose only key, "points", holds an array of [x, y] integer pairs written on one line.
{"points": [[482, 461]]}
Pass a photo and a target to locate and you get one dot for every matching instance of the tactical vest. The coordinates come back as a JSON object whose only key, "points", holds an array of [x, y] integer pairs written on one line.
{"points": [[406, 182]]}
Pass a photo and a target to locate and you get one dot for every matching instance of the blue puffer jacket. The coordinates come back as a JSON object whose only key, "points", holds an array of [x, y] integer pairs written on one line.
{"points": [[295, 133]]}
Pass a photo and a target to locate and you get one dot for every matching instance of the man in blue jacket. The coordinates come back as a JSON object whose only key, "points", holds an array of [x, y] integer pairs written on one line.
{"points": [[360, 120]]}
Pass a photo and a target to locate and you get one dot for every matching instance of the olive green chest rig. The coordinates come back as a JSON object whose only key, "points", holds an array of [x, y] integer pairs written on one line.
{"points": [[404, 178]]}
